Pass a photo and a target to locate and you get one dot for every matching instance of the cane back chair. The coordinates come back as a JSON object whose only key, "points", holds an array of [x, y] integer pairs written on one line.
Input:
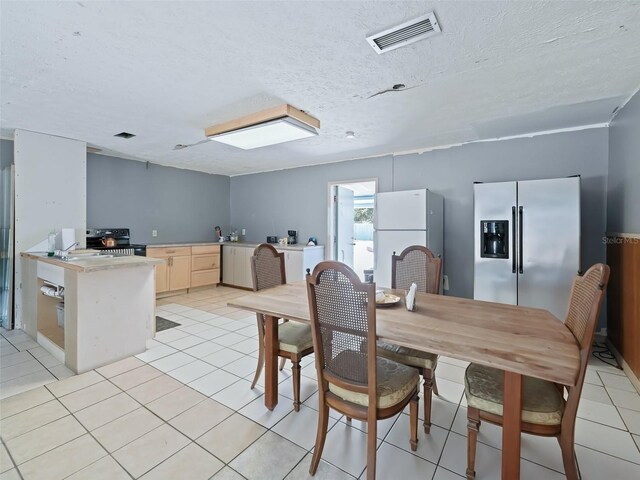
{"points": [[294, 339], [416, 264], [545, 411], [352, 379]]}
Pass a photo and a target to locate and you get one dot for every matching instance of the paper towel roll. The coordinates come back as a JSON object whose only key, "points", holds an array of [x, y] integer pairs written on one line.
{"points": [[50, 291], [68, 238]]}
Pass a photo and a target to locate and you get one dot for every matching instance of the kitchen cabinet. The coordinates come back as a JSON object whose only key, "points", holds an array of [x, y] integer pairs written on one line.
{"points": [[162, 276], [205, 265], [297, 261], [175, 274], [236, 266], [236, 262]]}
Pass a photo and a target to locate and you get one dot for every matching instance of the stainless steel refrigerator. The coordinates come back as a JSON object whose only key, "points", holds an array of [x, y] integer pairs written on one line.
{"points": [[402, 219], [527, 242]]}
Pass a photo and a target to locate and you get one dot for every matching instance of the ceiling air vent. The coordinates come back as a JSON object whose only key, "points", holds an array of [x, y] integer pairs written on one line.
{"points": [[405, 33]]}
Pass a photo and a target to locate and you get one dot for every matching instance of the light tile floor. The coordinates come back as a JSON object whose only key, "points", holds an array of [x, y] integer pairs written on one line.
{"points": [[184, 410]]}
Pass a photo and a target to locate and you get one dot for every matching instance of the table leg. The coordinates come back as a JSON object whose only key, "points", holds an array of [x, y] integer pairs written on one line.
{"points": [[511, 422], [270, 362]]}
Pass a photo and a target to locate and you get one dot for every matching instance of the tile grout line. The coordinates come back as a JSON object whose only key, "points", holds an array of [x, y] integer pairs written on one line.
{"points": [[13, 462]]}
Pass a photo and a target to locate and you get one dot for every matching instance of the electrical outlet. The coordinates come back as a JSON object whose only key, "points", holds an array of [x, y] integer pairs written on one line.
{"points": [[244, 231], [154, 233], [445, 279]]}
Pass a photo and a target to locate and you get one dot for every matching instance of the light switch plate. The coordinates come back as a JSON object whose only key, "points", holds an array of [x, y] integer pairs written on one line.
{"points": [[445, 279], [154, 233], [244, 231]]}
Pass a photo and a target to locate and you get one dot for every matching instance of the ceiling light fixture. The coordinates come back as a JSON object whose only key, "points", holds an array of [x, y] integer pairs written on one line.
{"points": [[275, 125], [350, 134]]}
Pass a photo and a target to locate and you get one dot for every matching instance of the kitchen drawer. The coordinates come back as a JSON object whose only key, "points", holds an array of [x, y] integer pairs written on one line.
{"points": [[205, 277], [168, 251], [205, 262], [201, 249]]}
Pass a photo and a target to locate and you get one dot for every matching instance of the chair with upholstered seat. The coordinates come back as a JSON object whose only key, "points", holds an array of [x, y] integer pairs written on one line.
{"points": [[294, 339], [545, 411], [416, 264], [352, 379]]}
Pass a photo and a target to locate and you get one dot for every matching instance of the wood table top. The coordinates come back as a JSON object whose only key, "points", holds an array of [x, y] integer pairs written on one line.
{"points": [[524, 340]]}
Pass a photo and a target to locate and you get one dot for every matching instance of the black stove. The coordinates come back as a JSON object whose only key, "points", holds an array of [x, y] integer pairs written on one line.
{"points": [[97, 238]]}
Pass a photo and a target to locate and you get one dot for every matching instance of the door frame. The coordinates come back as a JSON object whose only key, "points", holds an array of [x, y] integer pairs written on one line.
{"points": [[331, 218]]}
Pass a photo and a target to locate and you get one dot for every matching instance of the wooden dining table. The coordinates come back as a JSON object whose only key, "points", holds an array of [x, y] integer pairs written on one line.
{"points": [[518, 340]]}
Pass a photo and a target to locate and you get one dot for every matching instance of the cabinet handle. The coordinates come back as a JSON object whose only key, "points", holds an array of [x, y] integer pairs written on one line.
{"points": [[171, 261]]}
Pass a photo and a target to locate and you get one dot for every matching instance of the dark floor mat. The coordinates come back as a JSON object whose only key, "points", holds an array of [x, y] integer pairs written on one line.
{"points": [[164, 324]]}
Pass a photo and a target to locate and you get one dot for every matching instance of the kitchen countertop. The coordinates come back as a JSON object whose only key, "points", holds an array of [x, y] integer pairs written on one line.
{"points": [[93, 264], [182, 244], [297, 246]]}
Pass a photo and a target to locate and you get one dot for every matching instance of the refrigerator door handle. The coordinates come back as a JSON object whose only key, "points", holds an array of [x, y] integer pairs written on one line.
{"points": [[520, 242], [513, 239]]}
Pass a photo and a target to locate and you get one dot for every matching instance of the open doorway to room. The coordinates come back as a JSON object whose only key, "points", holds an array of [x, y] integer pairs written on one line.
{"points": [[350, 224]]}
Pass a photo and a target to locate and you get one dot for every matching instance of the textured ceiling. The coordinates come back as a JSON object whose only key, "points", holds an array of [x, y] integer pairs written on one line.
{"points": [[166, 70]]}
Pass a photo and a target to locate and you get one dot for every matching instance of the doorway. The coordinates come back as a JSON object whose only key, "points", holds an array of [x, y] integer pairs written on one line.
{"points": [[350, 224]]}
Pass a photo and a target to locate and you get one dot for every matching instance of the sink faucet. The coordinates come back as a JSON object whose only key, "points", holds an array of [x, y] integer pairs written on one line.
{"points": [[64, 253]]}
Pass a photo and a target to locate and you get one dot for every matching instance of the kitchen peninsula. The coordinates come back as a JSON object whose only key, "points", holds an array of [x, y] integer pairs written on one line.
{"points": [[109, 306]]}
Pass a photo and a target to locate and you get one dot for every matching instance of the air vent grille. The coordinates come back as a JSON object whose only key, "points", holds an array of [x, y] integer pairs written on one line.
{"points": [[405, 33]]}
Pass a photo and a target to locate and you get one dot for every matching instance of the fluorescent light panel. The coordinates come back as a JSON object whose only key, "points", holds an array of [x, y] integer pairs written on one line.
{"points": [[273, 132]]}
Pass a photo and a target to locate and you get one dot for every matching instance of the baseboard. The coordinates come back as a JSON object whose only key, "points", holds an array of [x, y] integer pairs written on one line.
{"points": [[627, 370], [51, 347]]}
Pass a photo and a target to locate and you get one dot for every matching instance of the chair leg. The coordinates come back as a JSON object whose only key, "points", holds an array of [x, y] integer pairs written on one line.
{"points": [[260, 360], [282, 362], [473, 425], [571, 469], [427, 375], [434, 385], [372, 441], [413, 418], [321, 435], [295, 370], [348, 420]]}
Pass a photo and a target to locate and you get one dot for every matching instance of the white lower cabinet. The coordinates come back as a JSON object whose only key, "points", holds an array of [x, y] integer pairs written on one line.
{"points": [[296, 262], [236, 266], [236, 263]]}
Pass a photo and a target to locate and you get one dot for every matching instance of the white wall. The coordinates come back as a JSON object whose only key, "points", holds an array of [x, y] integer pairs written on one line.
{"points": [[51, 193]]}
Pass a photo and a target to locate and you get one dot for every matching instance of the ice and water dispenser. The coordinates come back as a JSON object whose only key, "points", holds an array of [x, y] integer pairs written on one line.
{"points": [[494, 238]]}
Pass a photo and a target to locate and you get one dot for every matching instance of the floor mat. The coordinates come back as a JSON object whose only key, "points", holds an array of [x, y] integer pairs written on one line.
{"points": [[164, 324]]}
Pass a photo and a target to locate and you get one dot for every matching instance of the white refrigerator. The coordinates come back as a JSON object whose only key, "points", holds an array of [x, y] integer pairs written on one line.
{"points": [[402, 219]]}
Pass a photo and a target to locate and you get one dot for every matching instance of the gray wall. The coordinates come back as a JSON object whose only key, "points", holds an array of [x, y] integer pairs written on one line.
{"points": [[623, 201], [271, 203], [6, 153], [452, 173], [296, 199], [182, 205]]}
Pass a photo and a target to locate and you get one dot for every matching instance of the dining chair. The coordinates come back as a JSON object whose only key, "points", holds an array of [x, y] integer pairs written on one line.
{"points": [[545, 411], [294, 339], [352, 379], [416, 264]]}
